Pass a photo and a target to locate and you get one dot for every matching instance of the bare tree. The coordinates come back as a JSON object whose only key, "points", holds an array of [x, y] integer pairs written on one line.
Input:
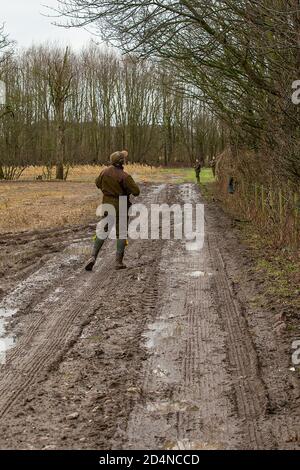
{"points": [[239, 56], [60, 76], [5, 49], [77, 108]]}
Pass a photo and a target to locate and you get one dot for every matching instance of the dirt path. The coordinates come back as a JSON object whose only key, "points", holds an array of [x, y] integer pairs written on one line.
{"points": [[169, 354]]}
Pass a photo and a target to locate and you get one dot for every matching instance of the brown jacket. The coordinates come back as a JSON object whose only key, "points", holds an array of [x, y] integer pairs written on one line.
{"points": [[115, 182]]}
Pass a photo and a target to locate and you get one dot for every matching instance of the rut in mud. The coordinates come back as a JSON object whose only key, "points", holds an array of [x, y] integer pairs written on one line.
{"points": [[169, 354]]}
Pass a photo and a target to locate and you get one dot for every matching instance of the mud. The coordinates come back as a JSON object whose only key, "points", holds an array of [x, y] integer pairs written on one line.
{"points": [[169, 354]]}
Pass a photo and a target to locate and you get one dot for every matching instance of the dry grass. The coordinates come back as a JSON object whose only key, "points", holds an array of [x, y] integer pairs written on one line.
{"points": [[29, 204], [88, 173]]}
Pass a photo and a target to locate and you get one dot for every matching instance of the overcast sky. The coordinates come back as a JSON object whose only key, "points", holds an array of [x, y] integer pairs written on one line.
{"points": [[25, 23]]}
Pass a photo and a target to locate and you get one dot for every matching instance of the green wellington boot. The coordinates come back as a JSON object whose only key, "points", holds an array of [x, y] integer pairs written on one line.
{"points": [[121, 244], [119, 262], [92, 261]]}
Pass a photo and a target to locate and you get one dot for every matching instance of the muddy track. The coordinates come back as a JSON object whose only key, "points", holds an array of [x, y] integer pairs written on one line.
{"points": [[250, 391], [22, 254], [161, 356]]}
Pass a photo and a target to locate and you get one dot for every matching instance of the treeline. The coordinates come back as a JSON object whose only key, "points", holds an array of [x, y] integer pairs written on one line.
{"points": [[66, 108], [240, 56]]}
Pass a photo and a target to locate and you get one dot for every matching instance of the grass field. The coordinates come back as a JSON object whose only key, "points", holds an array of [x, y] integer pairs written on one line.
{"points": [[29, 204], [141, 173], [185, 175]]}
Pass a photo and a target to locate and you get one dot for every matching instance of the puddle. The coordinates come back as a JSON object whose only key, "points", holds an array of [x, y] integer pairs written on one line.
{"points": [[196, 274], [5, 345], [38, 281], [29, 288], [7, 312], [161, 331], [7, 342]]}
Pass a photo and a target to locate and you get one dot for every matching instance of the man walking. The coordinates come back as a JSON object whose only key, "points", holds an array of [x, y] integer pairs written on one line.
{"points": [[198, 169], [213, 166], [114, 182]]}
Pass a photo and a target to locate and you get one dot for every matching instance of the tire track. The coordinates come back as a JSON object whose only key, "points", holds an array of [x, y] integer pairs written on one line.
{"points": [[48, 338], [53, 338], [186, 389], [250, 391], [195, 378]]}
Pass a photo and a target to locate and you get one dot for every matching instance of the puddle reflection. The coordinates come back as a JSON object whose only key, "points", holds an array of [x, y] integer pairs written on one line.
{"points": [[7, 341]]}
